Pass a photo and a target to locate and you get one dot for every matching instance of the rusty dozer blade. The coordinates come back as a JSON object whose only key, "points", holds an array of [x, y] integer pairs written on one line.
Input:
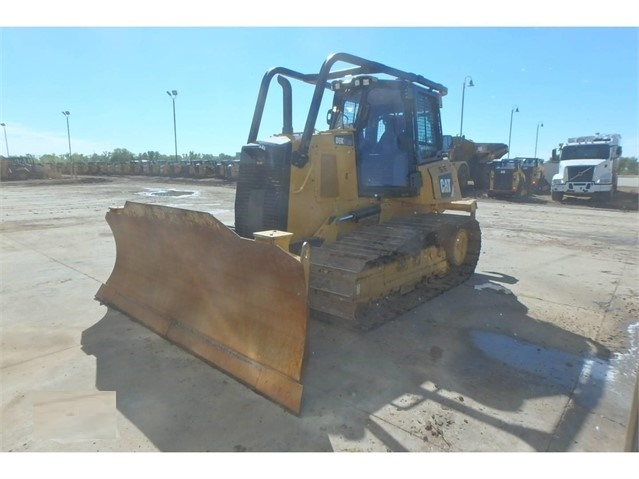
{"points": [[237, 303]]}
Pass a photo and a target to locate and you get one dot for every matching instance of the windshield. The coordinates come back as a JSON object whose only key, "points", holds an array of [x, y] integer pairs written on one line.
{"points": [[346, 115], [382, 136], [366, 108], [581, 152], [508, 164]]}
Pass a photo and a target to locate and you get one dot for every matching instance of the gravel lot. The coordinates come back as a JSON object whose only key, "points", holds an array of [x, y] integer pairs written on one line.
{"points": [[537, 352]]}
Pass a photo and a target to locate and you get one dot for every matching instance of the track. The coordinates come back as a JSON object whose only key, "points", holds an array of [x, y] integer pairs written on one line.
{"points": [[384, 254]]}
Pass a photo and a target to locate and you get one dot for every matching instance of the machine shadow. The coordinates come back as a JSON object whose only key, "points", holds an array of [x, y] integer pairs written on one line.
{"points": [[623, 200], [482, 363], [183, 404], [530, 200]]}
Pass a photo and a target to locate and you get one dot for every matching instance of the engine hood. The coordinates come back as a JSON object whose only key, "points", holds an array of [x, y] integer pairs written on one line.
{"points": [[584, 162]]}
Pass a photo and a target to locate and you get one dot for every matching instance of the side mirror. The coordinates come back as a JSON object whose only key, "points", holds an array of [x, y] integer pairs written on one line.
{"points": [[329, 117]]}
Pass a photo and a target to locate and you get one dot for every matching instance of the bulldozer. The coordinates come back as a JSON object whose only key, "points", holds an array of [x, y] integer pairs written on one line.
{"points": [[354, 224]]}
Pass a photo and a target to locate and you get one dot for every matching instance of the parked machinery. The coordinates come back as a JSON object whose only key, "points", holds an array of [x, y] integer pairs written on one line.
{"points": [[588, 166], [508, 178], [472, 160], [356, 223]]}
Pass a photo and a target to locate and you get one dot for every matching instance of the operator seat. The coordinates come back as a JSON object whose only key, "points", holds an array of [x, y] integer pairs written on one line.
{"points": [[389, 141], [390, 149]]}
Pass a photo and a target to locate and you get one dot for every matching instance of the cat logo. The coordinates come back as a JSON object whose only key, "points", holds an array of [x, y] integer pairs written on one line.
{"points": [[446, 185], [344, 140]]}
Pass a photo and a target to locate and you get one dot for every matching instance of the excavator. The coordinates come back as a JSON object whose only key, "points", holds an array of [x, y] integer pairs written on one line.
{"points": [[353, 225]]}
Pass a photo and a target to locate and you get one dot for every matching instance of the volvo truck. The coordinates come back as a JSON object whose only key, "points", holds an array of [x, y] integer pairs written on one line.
{"points": [[588, 167]]}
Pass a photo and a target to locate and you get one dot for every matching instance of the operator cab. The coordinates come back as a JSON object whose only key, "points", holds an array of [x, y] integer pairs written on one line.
{"points": [[507, 163], [396, 127]]}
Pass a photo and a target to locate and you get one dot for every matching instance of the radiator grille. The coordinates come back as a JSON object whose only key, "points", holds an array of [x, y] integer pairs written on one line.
{"points": [[580, 174], [261, 198], [503, 180]]}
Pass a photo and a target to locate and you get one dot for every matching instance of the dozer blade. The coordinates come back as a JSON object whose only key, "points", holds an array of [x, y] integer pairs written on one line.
{"points": [[237, 303]]}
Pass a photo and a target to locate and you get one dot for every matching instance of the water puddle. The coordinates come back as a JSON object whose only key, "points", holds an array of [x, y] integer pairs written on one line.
{"points": [[552, 364], [585, 377], [155, 192]]}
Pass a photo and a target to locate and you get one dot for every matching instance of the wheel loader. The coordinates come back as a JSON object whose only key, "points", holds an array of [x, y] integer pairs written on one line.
{"points": [[354, 224], [508, 178], [517, 177]]}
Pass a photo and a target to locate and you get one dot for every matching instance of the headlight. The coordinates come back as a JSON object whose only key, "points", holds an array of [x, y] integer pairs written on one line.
{"points": [[605, 179], [558, 181]]}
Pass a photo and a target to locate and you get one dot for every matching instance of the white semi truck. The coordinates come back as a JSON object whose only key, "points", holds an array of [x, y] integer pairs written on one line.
{"points": [[587, 167]]}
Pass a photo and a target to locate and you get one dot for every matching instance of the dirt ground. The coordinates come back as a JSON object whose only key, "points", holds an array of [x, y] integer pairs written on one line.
{"points": [[536, 352], [626, 199]]}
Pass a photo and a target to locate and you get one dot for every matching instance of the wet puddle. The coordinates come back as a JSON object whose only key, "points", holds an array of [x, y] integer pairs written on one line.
{"points": [[168, 193], [555, 365], [585, 375]]}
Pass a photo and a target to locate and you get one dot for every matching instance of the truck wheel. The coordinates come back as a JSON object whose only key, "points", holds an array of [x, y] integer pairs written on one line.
{"points": [[22, 174], [557, 195]]}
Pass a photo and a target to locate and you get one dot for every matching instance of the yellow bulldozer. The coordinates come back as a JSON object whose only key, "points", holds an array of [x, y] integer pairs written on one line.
{"points": [[354, 224]]}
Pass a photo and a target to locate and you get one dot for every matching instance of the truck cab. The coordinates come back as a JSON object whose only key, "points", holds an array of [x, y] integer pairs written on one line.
{"points": [[588, 167]]}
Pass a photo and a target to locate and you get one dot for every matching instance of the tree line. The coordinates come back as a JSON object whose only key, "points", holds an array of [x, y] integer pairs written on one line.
{"points": [[122, 155], [627, 165]]}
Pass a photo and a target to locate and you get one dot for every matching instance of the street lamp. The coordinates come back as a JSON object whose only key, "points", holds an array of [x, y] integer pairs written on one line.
{"points": [[515, 109], [537, 136], [6, 143], [66, 114], [173, 94], [470, 83]]}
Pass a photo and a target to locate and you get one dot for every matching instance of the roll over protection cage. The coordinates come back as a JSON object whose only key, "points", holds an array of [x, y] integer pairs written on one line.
{"points": [[321, 82]]}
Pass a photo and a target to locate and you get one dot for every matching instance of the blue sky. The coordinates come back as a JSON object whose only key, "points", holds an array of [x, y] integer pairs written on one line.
{"points": [[575, 80]]}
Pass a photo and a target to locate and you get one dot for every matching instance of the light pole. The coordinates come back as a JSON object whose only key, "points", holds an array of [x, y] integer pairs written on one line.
{"points": [[515, 109], [6, 143], [470, 83], [537, 136], [66, 114], [173, 94]]}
